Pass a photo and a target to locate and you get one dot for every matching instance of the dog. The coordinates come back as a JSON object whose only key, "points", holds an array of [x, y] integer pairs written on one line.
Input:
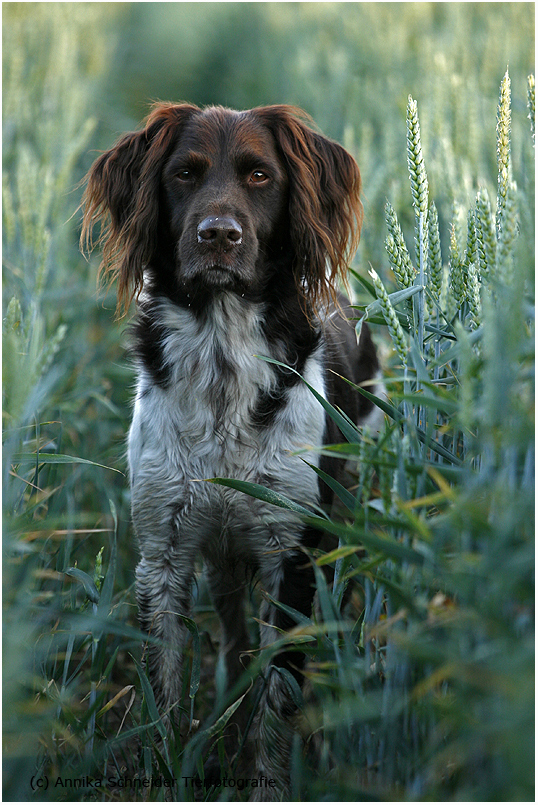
{"points": [[233, 230]]}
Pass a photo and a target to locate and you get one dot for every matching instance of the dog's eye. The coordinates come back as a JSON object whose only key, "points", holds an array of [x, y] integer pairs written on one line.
{"points": [[258, 177], [185, 175]]}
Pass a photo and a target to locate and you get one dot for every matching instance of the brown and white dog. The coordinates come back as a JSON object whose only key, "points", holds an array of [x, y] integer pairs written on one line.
{"points": [[233, 230]]}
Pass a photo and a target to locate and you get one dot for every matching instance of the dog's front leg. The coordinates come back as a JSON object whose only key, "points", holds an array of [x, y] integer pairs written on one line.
{"points": [[292, 584], [163, 596], [164, 578]]}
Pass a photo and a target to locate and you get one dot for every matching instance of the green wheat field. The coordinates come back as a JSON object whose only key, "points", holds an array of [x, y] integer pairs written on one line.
{"points": [[422, 686]]}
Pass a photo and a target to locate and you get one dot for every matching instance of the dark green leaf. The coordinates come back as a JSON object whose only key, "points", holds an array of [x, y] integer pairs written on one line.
{"points": [[86, 581]]}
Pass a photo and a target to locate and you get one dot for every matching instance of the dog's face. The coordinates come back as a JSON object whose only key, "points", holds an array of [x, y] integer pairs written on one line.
{"points": [[225, 193], [208, 200]]}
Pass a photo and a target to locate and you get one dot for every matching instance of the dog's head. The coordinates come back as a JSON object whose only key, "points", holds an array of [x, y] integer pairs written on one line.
{"points": [[213, 199]]}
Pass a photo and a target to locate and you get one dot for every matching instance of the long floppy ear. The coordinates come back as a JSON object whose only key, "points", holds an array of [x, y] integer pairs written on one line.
{"points": [[122, 195], [325, 210]]}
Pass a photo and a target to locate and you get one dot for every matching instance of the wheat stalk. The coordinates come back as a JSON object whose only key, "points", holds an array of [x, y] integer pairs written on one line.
{"points": [[473, 296], [394, 327], [471, 254], [530, 103], [504, 119], [418, 177], [485, 234], [435, 260], [507, 234], [398, 254], [456, 278]]}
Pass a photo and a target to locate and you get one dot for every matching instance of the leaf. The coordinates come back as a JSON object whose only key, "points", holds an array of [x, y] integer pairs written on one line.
{"points": [[261, 493], [430, 328], [196, 657], [364, 282], [454, 351], [107, 588], [438, 403], [345, 496], [385, 406], [343, 451], [150, 700], [423, 437], [346, 426], [351, 534], [395, 298], [57, 458], [338, 553], [293, 613], [418, 363], [123, 692], [375, 319], [327, 602], [291, 684], [221, 722], [86, 581]]}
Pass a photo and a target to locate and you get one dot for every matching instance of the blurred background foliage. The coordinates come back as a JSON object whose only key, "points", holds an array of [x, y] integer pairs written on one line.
{"points": [[75, 76]]}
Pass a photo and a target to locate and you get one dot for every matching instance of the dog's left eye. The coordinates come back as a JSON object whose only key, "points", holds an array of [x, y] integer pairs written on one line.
{"points": [[258, 177]]}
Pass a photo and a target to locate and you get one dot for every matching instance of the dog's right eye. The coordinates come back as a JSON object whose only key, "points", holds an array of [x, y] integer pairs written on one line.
{"points": [[185, 175]]}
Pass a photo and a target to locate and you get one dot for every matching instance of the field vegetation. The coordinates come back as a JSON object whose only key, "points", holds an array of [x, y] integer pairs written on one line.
{"points": [[423, 687]]}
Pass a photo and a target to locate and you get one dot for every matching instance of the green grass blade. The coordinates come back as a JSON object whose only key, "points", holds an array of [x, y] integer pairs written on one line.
{"points": [[150, 700], [352, 534], [340, 491], [348, 429], [261, 493], [86, 581], [55, 458], [395, 298], [196, 658]]}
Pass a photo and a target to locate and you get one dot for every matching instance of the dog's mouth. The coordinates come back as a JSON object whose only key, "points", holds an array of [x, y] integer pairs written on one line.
{"points": [[218, 270], [213, 270], [219, 274], [212, 276]]}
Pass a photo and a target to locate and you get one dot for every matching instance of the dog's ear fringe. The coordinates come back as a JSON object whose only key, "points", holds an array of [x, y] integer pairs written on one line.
{"points": [[121, 197], [325, 208]]}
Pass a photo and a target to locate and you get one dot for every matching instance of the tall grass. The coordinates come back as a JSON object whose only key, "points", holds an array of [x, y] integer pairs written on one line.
{"points": [[424, 688], [426, 692], [442, 699], [62, 408]]}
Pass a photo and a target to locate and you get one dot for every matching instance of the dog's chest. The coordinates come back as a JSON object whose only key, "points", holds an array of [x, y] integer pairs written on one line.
{"points": [[205, 422]]}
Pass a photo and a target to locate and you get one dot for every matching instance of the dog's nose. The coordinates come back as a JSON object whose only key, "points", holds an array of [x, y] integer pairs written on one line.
{"points": [[220, 231]]}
